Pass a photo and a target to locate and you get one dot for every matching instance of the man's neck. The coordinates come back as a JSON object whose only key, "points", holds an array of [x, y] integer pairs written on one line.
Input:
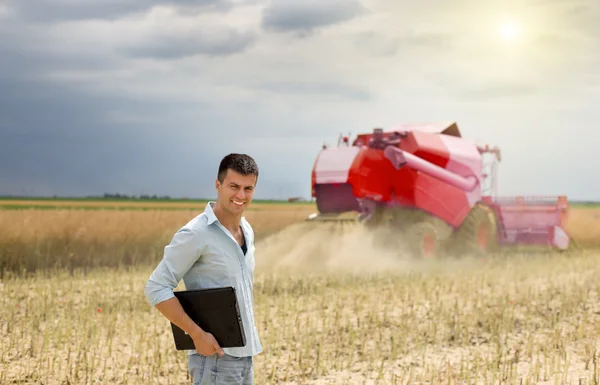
{"points": [[230, 222]]}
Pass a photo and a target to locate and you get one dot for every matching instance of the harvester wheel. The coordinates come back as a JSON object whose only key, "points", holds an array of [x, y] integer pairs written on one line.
{"points": [[413, 230], [423, 240], [478, 234]]}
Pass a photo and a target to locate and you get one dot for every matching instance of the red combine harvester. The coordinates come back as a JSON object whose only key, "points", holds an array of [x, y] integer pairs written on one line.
{"points": [[433, 191]]}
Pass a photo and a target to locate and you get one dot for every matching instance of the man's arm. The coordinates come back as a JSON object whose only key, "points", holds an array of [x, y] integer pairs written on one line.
{"points": [[205, 342], [173, 311], [179, 256]]}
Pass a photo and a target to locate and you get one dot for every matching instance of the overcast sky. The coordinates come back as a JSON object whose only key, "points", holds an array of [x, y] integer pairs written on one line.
{"points": [[146, 96]]}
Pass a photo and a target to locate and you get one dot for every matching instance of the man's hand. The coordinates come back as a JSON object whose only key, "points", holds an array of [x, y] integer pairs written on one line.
{"points": [[206, 344]]}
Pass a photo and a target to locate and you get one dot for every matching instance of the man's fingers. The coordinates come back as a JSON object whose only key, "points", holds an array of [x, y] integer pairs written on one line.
{"points": [[219, 350]]}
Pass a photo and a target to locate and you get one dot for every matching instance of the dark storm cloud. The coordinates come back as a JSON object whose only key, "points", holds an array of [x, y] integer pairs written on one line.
{"points": [[52, 136], [65, 138], [63, 10], [17, 62], [60, 140], [76, 137], [307, 15]]}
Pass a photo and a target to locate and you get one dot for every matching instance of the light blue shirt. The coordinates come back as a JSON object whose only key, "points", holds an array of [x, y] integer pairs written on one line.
{"points": [[205, 255]]}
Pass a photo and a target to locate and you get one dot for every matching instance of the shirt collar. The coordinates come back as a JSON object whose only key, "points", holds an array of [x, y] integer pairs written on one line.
{"points": [[210, 214]]}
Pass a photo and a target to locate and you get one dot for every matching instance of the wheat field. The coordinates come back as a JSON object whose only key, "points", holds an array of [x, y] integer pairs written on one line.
{"points": [[71, 238], [331, 307]]}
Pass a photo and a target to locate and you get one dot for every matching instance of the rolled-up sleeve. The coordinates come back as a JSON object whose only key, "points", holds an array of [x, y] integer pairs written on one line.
{"points": [[179, 256]]}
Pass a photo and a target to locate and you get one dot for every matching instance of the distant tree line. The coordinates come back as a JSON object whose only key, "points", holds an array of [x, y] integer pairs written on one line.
{"points": [[143, 196]]}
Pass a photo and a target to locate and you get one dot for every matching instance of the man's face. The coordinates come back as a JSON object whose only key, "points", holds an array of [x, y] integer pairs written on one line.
{"points": [[236, 191]]}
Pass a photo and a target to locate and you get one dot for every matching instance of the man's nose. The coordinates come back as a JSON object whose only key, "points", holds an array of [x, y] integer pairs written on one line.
{"points": [[241, 194]]}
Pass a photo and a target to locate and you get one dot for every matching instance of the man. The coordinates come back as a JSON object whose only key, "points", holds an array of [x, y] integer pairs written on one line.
{"points": [[214, 249]]}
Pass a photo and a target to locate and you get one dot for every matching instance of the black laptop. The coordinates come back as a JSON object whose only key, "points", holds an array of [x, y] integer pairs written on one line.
{"points": [[216, 311]]}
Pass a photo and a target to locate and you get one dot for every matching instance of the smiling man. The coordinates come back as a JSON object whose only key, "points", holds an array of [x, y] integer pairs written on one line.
{"points": [[215, 249]]}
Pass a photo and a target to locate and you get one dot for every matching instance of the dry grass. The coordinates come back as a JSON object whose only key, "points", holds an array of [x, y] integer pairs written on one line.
{"points": [[516, 320], [41, 239], [331, 308], [584, 226]]}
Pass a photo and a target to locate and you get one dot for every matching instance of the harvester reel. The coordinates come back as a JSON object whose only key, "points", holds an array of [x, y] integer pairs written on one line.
{"points": [[477, 235]]}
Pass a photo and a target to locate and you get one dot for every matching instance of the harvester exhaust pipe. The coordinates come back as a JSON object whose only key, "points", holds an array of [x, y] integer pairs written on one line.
{"points": [[400, 158]]}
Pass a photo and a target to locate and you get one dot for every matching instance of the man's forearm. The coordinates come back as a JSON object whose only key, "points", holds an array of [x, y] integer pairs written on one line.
{"points": [[173, 311]]}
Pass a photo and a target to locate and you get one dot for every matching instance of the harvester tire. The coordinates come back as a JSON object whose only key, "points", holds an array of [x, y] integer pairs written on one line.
{"points": [[424, 240], [477, 236], [415, 231]]}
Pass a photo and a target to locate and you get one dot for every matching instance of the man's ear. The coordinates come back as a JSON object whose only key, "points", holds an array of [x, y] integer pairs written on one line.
{"points": [[217, 184]]}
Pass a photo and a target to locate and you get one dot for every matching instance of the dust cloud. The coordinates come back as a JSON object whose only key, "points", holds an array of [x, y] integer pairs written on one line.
{"points": [[317, 248], [326, 247]]}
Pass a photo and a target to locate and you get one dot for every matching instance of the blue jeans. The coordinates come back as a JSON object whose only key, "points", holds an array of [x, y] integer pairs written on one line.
{"points": [[226, 370]]}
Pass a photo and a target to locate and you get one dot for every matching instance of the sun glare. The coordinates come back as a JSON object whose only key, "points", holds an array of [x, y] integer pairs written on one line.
{"points": [[509, 30]]}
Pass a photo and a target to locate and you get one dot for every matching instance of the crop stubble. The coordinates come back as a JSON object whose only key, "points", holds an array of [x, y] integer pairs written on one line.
{"points": [[330, 310]]}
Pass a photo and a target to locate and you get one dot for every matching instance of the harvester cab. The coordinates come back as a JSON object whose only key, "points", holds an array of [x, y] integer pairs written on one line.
{"points": [[431, 191]]}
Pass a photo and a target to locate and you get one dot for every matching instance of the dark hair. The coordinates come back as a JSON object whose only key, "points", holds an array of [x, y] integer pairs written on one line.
{"points": [[240, 163]]}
